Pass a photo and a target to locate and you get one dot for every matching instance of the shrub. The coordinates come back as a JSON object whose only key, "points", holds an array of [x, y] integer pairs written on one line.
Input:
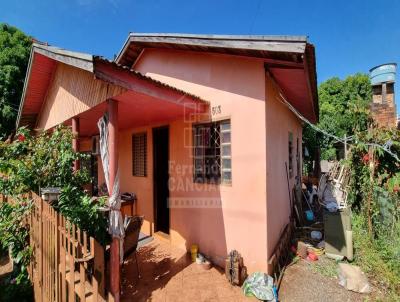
{"points": [[374, 196], [33, 162]]}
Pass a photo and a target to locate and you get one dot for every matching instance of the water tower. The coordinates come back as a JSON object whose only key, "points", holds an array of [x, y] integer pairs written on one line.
{"points": [[383, 105]]}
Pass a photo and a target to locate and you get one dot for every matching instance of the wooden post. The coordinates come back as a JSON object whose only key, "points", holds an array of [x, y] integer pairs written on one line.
{"points": [[75, 140], [41, 249], [57, 255], [345, 146], [115, 268]]}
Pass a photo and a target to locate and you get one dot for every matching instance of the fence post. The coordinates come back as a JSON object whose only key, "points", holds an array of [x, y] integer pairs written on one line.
{"points": [[99, 275], [63, 286], [41, 248], [71, 263], [57, 255]]}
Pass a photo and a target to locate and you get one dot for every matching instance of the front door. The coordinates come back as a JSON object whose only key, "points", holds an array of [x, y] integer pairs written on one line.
{"points": [[161, 177]]}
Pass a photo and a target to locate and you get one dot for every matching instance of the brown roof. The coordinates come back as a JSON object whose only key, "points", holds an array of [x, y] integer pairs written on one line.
{"points": [[289, 59], [40, 77]]}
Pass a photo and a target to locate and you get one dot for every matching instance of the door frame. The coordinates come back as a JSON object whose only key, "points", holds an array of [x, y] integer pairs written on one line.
{"points": [[155, 214]]}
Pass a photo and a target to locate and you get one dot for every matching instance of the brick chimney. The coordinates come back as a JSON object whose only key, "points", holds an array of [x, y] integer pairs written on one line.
{"points": [[383, 106]]}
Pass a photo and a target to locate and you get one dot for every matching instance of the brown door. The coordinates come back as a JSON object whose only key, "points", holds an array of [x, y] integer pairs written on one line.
{"points": [[161, 178]]}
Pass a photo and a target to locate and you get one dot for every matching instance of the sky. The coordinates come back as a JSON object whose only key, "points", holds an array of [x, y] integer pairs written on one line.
{"points": [[349, 35]]}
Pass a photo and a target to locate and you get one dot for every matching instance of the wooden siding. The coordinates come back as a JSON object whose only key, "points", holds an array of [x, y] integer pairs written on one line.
{"points": [[72, 92]]}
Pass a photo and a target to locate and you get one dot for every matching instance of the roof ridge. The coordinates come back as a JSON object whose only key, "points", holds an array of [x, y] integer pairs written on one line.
{"points": [[287, 38]]}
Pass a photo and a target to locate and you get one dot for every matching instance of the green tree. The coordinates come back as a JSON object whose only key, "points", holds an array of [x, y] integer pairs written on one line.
{"points": [[344, 109], [14, 55]]}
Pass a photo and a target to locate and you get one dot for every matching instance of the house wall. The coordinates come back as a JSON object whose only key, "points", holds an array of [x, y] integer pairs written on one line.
{"points": [[280, 121], [244, 215], [238, 87], [71, 92]]}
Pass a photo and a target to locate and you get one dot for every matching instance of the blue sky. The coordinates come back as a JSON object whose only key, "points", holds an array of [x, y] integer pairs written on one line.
{"points": [[350, 36]]}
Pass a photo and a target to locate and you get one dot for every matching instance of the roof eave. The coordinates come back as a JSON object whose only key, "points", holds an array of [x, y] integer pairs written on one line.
{"points": [[27, 76], [213, 40]]}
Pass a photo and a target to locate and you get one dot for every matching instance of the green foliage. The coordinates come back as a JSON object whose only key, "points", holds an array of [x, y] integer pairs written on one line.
{"points": [[14, 56], [81, 210], [13, 232], [344, 104], [344, 109], [375, 198], [377, 258], [14, 236], [33, 162]]}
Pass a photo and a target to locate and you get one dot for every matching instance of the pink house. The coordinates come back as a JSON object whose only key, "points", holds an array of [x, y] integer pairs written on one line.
{"points": [[204, 125]]}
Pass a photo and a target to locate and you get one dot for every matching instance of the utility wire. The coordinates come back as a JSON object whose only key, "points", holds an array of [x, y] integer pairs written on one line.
{"points": [[386, 147]]}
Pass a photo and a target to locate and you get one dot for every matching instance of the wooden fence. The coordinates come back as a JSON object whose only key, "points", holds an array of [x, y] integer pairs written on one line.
{"points": [[67, 264]]}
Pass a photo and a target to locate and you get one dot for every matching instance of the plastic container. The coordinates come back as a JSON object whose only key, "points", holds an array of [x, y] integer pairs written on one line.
{"points": [[309, 215], [312, 256], [194, 249]]}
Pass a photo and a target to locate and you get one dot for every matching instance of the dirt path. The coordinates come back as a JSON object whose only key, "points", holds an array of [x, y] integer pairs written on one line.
{"points": [[315, 282]]}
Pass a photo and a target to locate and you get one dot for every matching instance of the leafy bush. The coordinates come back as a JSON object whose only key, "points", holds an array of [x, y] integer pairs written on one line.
{"points": [[82, 211], [33, 162], [378, 258], [375, 197], [30, 163], [14, 233], [344, 109], [14, 237]]}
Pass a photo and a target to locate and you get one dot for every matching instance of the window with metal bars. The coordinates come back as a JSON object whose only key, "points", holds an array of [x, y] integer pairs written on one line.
{"points": [[212, 152], [139, 154]]}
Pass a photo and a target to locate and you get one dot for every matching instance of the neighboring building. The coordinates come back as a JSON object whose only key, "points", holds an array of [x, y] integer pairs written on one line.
{"points": [[383, 106], [204, 132]]}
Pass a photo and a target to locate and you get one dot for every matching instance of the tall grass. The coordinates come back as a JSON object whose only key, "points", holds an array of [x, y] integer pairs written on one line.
{"points": [[378, 257]]}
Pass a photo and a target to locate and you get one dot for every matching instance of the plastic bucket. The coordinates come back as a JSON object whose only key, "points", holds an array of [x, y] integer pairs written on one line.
{"points": [[194, 250]]}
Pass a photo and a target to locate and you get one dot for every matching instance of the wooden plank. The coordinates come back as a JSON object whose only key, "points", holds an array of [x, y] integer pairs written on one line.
{"points": [[54, 276], [56, 241], [63, 285], [40, 283], [70, 97], [71, 272], [45, 255], [98, 282], [82, 273], [261, 45]]}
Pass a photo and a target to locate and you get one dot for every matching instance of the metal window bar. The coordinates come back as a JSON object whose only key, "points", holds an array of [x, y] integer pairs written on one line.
{"points": [[139, 154]]}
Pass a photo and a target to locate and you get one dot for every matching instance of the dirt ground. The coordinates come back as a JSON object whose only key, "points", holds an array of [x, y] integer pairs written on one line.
{"points": [[5, 266], [315, 282]]}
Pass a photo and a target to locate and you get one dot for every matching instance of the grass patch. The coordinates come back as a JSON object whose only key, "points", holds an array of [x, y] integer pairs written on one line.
{"points": [[325, 267], [377, 259]]}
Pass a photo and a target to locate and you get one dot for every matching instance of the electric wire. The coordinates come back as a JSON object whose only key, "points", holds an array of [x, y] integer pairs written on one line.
{"points": [[386, 147]]}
